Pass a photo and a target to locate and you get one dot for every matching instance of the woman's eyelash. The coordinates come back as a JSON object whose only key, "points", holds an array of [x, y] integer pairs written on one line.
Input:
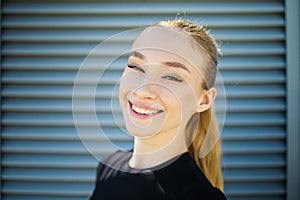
{"points": [[168, 77], [136, 67], [173, 78]]}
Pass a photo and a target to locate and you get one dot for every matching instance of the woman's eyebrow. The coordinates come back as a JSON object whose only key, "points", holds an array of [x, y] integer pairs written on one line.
{"points": [[137, 54], [167, 63], [176, 65]]}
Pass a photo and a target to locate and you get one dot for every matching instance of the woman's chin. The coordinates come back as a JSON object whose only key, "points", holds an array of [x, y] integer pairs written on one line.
{"points": [[140, 132]]}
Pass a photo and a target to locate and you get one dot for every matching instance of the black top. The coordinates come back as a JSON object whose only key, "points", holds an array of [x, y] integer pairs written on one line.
{"points": [[178, 179]]}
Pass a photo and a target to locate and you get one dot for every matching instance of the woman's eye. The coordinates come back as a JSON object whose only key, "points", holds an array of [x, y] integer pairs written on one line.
{"points": [[136, 67], [172, 78]]}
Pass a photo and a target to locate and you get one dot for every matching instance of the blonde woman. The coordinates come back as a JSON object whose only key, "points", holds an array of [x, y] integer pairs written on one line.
{"points": [[167, 95]]}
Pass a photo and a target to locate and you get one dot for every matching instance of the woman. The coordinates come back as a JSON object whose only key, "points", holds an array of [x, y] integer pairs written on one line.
{"points": [[166, 94]]}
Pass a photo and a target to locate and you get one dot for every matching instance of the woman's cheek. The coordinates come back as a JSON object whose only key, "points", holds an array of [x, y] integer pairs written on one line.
{"points": [[129, 82], [187, 99]]}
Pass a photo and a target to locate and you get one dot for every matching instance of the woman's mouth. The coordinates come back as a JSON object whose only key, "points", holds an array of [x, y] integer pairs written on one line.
{"points": [[143, 111]]}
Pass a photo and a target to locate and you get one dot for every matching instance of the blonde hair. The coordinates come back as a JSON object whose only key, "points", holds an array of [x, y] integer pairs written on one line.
{"points": [[204, 122]]}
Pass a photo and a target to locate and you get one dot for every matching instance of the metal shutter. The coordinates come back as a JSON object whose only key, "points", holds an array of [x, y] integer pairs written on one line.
{"points": [[43, 45]]}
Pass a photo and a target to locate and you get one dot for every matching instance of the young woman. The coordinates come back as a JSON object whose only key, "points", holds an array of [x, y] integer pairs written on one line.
{"points": [[166, 94]]}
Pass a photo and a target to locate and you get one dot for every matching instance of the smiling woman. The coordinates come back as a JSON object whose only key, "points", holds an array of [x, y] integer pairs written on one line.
{"points": [[167, 95]]}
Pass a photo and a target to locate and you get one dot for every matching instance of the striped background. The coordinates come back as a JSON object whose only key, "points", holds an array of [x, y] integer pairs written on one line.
{"points": [[45, 42]]}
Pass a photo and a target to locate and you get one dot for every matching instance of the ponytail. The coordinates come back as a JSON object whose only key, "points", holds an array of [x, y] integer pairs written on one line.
{"points": [[210, 163]]}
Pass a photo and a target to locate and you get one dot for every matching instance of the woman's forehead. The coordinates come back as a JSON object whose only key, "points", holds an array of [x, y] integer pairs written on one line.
{"points": [[170, 42]]}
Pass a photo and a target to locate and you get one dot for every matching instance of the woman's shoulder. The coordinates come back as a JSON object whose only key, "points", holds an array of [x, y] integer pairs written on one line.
{"points": [[115, 164], [184, 178], [110, 165]]}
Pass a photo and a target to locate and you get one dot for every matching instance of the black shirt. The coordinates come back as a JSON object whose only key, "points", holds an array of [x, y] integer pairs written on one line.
{"points": [[178, 179]]}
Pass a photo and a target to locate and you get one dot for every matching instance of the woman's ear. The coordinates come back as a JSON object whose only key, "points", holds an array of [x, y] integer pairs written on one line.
{"points": [[207, 99]]}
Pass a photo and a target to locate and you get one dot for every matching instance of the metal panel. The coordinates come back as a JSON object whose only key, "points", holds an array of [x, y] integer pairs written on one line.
{"points": [[43, 46], [1, 90], [293, 98]]}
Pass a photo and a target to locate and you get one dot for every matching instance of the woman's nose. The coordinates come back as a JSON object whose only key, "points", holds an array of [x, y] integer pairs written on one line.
{"points": [[146, 91]]}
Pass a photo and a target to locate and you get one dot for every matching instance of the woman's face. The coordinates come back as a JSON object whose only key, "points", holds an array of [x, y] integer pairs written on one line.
{"points": [[160, 88]]}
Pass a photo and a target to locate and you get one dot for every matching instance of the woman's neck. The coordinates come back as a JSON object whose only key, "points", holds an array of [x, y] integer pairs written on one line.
{"points": [[153, 151]]}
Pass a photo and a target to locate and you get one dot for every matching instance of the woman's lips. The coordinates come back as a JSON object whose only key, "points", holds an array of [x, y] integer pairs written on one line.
{"points": [[143, 111]]}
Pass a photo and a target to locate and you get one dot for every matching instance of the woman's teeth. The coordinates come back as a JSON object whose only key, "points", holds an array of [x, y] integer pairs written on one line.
{"points": [[144, 111]]}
